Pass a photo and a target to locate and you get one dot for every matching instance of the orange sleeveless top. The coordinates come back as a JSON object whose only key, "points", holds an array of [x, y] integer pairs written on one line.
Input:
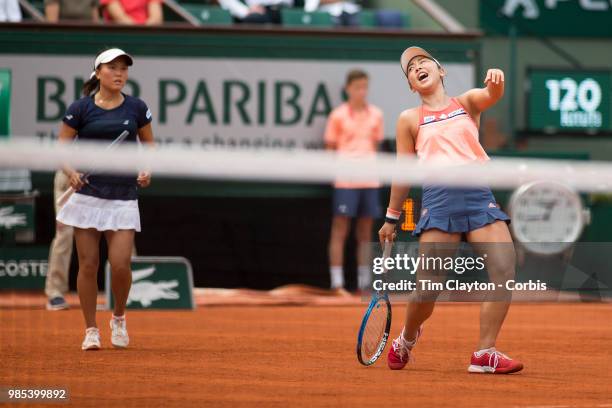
{"points": [[448, 136]]}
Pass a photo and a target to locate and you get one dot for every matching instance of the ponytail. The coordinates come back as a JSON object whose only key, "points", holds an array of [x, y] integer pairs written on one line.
{"points": [[91, 86]]}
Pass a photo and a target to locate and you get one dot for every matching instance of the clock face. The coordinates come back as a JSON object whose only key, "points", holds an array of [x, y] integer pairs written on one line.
{"points": [[546, 216]]}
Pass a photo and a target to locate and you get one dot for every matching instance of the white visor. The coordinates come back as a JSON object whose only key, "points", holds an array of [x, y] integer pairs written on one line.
{"points": [[109, 55]]}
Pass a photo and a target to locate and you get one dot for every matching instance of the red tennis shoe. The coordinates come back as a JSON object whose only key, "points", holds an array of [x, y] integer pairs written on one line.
{"points": [[399, 352], [492, 361]]}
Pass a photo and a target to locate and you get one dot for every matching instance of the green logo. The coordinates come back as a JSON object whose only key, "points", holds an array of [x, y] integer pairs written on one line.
{"points": [[9, 219], [157, 283]]}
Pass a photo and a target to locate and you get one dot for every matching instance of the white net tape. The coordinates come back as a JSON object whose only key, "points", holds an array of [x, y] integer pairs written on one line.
{"points": [[300, 166]]}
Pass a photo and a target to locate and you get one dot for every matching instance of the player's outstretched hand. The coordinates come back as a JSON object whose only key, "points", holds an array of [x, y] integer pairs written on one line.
{"points": [[386, 233], [494, 76], [144, 179]]}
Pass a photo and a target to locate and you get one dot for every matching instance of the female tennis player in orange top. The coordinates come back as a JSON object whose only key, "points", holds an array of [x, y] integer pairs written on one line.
{"points": [[445, 129]]}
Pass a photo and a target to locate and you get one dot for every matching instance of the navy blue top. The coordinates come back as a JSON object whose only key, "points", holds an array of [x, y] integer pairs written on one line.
{"points": [[95, 123]]}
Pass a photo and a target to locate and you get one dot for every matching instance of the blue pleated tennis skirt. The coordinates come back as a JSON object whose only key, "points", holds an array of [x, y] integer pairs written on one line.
{"points": [[453, 209]]}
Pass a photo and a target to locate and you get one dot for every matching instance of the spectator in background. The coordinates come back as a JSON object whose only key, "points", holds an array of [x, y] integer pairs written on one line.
{"points": [[85, 10], [354, 129], [256, 11], [60, 252], [344, 12], [10, 11], [133, 12]]}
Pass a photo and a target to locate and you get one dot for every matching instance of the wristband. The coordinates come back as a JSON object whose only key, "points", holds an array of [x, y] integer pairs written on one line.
{"points": [[392, 216]]}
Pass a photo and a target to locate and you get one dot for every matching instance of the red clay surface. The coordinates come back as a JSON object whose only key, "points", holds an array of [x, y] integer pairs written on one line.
{"points": [[283, 356]]}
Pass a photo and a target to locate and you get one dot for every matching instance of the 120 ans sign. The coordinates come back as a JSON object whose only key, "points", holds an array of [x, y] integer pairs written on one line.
{"points": [[569, 100], [579, 104]]}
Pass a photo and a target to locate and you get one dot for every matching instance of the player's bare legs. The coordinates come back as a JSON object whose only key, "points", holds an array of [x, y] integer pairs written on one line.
{"points": [[496, 242], [88, 248], [432, 243], [120, 246]]}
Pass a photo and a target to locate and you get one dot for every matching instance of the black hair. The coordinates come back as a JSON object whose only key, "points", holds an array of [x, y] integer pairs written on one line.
{"points": [[92, 85]]}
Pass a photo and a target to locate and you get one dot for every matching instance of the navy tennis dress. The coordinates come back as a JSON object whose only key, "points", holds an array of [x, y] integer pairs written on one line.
{"points": [[450, 136], [106, 202]]}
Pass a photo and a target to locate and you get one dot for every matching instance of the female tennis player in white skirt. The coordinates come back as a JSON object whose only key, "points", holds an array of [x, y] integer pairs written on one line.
{"points": [[105, 204]]}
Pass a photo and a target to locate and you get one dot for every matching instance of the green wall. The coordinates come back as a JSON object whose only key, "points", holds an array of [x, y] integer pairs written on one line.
{"points": [[495, 52], [466, 11]]}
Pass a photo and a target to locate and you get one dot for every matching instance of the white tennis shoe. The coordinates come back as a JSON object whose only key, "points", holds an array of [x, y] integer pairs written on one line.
{"points": [[119, 335], [92, 339]]}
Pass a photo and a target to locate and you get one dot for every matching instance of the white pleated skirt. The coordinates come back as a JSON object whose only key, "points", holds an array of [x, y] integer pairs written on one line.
{"points": [[83, 211]]}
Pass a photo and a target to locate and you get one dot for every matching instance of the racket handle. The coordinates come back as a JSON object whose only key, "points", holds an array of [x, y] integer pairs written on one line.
{"points": [[387, 249], [64, 197]]}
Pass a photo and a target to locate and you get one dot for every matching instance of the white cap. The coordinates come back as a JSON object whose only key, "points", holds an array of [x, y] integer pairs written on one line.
{"points": [[108, 56]]}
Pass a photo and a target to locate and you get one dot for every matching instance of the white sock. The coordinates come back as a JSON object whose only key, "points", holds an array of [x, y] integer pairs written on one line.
{"points": [[119, 318], [487, 350], [363, 277], [408, 343], [337, 277]]}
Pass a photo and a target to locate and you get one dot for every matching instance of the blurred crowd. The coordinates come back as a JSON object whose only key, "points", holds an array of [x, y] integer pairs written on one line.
{"points": [[151, 12], [129, 12]]}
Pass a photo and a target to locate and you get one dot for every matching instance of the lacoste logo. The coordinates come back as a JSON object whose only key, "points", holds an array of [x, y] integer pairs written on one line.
{"points": [[149, 114], [492, 205], [69, 117], [147, 292], [9, 220]]}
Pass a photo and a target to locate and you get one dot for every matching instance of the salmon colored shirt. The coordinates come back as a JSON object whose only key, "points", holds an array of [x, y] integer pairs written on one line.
{"points": [[448, 136], [138, 10], [355, 134]]}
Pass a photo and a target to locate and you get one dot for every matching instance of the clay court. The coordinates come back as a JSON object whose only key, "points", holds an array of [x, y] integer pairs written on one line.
{"points": [[303, 356]]}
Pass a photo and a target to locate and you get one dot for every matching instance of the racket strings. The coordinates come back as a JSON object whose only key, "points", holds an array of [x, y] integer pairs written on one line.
{"points": [[374, 330]]}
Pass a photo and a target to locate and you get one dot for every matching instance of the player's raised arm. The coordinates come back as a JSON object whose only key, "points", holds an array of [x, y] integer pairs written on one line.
{"points": [[480, 99]]}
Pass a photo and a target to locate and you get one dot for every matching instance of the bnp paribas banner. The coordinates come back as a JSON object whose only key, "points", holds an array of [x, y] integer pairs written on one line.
{"points": [[218, 102]]}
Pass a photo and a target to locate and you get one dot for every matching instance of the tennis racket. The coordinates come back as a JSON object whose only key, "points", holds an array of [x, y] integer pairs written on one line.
{"points": [[376, 323], [64, 197]]}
